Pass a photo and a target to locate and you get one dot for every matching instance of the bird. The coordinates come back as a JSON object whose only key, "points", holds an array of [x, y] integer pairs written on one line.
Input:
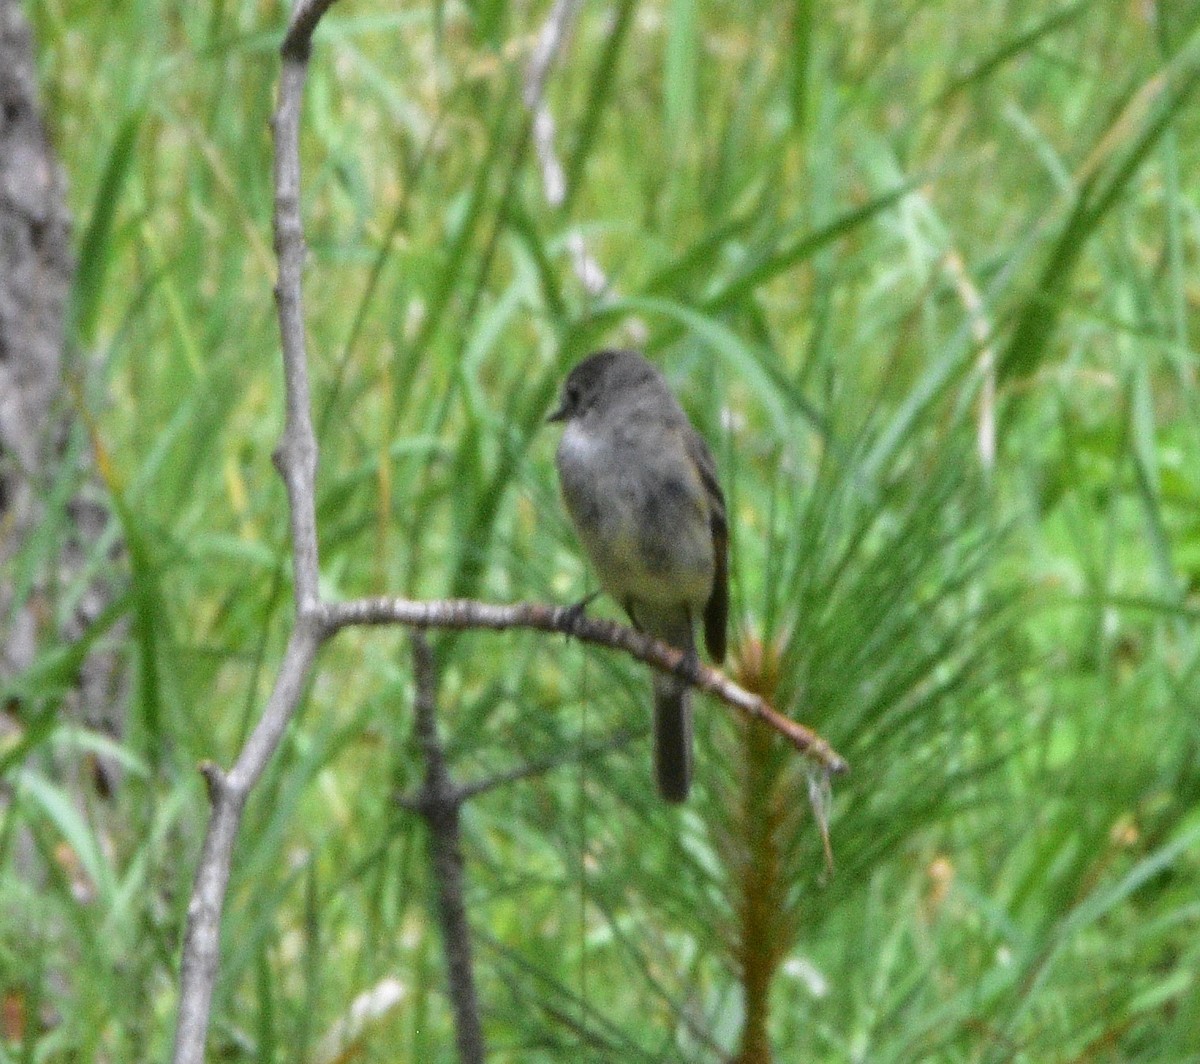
{"points": [[640, 486]]}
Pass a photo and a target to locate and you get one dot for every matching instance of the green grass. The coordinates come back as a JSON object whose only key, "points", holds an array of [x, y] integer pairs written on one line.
{"points": [[1008, 657]]}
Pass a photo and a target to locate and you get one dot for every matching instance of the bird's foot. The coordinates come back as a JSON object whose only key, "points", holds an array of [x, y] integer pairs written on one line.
{"points": [[574, 613]]}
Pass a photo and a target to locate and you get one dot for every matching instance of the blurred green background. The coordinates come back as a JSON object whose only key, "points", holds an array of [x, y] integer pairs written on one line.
{"points": [[836, 227]]}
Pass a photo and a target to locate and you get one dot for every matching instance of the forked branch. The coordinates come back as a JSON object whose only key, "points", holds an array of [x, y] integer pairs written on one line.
{"points": [[316, 620]]}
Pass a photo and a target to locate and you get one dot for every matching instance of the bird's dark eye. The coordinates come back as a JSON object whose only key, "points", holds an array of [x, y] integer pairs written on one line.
{"points": [[573, 396]]}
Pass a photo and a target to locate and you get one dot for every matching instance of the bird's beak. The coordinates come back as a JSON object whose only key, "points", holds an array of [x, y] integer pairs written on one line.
{"points": [[560, 414]]}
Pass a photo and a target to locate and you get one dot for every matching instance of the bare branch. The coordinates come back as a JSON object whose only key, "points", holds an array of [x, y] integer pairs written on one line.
{"points": [[296, 460], [546, 764], [466, 613], [412, 803], [437, 787], [305, 16], [296, 457], [201, 943], [440, 804]]}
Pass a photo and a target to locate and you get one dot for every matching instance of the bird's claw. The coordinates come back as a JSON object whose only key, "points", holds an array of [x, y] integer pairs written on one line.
{"points": [[574, 613]]}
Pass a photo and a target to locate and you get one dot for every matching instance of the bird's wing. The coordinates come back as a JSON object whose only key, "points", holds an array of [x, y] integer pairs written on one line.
{"points": [[716, 611]]}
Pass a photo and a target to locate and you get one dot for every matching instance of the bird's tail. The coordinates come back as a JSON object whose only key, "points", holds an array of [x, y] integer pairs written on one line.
{"points": [[672, 737]]}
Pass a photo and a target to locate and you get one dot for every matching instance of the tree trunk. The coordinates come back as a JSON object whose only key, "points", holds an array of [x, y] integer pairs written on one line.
{"points": [[36, 426]]}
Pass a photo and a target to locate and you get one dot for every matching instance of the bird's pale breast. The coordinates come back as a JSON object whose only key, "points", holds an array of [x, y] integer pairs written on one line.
{"points": [[640, 509]]}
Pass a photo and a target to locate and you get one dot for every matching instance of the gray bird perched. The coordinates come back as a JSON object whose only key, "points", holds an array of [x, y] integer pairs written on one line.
{"points": [[641, 488]]}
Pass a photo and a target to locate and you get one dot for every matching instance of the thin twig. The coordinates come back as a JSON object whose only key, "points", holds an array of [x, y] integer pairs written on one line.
{"points": [[228, 793], [467, 791], [467, 613], [546, 764], [296, 460], [440, 805]]}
